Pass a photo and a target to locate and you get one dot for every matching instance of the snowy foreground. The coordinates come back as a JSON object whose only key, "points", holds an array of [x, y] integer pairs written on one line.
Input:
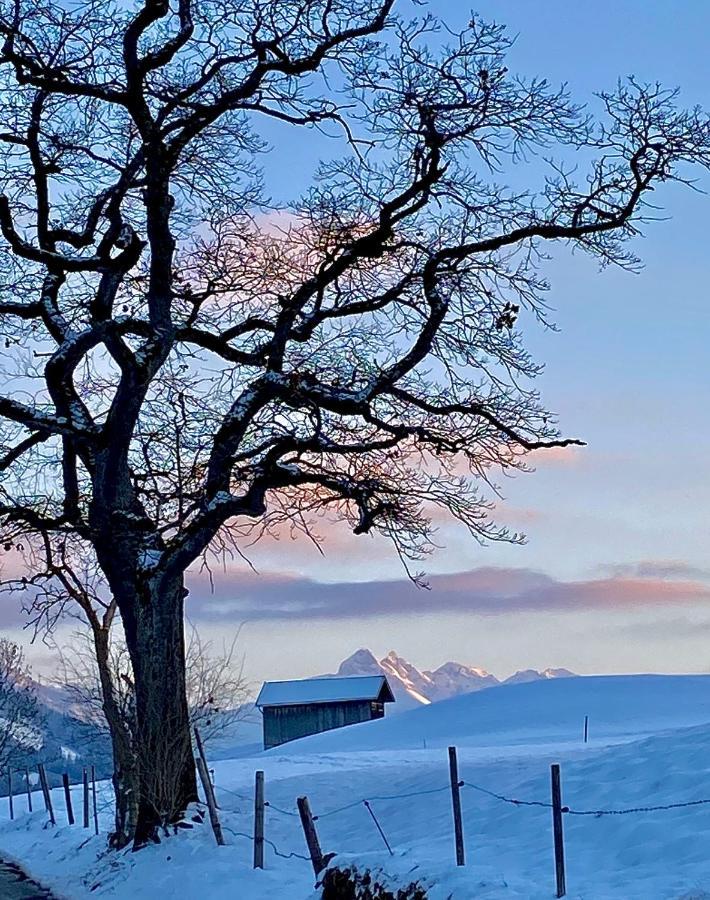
{"points": [[648, 746]]}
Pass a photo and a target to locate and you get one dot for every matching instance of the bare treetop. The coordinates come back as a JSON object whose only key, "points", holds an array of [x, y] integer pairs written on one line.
{"points": [[185, 364], [329, 358]]}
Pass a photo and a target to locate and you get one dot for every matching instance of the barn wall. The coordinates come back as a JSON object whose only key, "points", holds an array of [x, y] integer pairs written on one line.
{"points": [[286, 723]]}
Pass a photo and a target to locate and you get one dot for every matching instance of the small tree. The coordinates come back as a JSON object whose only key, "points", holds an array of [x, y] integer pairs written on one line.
{"points": [[18, 706], [177, 368], [217, 695]]}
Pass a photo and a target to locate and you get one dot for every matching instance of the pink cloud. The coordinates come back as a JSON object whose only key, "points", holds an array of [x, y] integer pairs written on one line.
{"points": [[492, 591], [558, 456]]}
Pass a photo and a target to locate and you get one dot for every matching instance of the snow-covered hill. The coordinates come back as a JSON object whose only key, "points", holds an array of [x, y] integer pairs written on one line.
{"points": [[648, 747], [619, 707]]}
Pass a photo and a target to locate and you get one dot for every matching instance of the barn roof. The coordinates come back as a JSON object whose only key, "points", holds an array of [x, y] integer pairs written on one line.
{"points": [[325, 690]]}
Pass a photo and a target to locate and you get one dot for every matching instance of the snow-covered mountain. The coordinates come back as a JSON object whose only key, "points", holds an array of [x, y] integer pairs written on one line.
{"points": [[413, 687], [454, 678], [526, 675], [407, 682]]}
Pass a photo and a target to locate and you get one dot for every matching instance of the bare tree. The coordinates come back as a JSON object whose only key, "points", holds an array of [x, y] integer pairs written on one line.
{"points": [[18, 705], [218, 693], [64, 579], [178, 370]]}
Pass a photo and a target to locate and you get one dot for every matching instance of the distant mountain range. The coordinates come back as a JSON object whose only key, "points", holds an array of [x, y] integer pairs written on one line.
{"points": [[413, 687], [61, 740]]}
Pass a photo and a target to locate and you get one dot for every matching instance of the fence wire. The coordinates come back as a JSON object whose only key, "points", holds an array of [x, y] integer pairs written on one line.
{"points": [[281, 853], [512, 800], [587, 812]]}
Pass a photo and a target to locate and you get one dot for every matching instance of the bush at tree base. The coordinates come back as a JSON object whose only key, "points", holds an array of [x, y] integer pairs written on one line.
{"points": [[351, 884]]}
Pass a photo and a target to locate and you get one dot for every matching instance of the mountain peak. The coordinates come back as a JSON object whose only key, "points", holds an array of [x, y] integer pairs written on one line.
{"points": [[361, 662], [413, 686], [524, 676]]}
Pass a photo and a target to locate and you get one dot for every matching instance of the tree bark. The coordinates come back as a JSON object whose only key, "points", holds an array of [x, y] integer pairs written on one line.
{"points": [[154, 631]]}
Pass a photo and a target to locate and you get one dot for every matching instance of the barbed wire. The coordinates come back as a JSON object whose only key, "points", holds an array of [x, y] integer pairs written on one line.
{"points": [[381, 797], [239, 796], [633, 809], [588, 812], [250, 837], [278, 809], [512, 800]]}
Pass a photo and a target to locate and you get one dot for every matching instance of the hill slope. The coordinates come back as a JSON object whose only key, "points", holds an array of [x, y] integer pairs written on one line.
{"points": [[618, 706], [507, 739]]}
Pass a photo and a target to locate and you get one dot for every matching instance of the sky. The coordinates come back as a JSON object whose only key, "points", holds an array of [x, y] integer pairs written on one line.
{"points": [[615, 574]]}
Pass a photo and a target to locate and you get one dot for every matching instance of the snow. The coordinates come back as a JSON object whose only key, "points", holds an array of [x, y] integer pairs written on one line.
{"points": [[321, 690], [22, 733], [649, 739]]}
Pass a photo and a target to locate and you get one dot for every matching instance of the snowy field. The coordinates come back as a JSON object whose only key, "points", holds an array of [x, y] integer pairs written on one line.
{"points": [[649, 746]]}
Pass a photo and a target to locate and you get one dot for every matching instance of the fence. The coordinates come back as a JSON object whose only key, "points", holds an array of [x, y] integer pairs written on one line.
{"points": [[307, 820], [87, 786], [302, 814]]}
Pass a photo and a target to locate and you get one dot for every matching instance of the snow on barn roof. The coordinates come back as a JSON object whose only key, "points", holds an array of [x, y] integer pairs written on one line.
{"points": [[325, 690]]}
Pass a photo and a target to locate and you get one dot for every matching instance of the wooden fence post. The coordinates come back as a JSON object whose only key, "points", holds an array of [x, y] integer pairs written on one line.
{"points": [[309, 830], [29, 790], [208, 786], [456, 803], [9, 794], [259, 821], [557, 831], [93, 792], [67, 798], [214, 818], [85, 780], [45, 793]]}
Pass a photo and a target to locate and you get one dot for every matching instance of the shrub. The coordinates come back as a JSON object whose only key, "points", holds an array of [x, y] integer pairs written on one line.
{"points": [[351, 884]]}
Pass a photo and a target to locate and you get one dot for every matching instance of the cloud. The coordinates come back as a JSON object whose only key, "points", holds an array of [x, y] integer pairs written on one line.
{"points": [[241, 595], [664, 569], [571, 455], [489, 591]]}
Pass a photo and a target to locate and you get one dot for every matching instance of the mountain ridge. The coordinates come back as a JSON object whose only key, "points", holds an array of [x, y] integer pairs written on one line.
{"points": [[414, 687]]}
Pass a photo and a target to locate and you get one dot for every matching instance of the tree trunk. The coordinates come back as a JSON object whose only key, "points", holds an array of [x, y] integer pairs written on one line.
{"points": [[153, 625]]}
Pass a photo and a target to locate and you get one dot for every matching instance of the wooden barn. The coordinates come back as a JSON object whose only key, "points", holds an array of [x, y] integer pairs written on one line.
{"points": [[294, 709]]}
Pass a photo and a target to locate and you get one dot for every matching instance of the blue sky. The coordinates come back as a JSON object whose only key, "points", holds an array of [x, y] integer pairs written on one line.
{"points": [[619, 528], [628, 372]]}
